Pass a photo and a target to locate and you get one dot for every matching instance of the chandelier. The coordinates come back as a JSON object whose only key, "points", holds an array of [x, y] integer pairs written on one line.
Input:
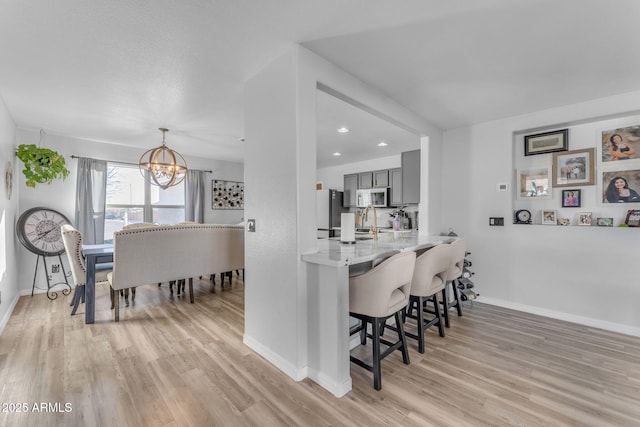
{"points": [[165, 167]]}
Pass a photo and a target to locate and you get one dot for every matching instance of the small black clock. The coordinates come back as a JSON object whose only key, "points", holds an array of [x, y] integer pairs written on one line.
{"points": [[38, 229], [522, 216]]}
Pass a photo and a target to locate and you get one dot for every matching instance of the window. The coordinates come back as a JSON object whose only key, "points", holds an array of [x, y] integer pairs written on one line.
{"points": [[131, 199]]}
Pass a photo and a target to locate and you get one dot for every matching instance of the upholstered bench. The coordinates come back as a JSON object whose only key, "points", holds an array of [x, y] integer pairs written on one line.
{"points": [[159, 254]]}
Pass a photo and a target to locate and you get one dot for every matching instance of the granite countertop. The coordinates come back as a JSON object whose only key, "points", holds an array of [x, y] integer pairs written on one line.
{"points": [[333, 253]]}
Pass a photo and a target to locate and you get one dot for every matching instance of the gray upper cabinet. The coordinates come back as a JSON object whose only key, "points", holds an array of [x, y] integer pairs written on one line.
{"points": [[395, 187], [411, 177], [365, 180], [350, 188], [381, 179], [403, 183]]}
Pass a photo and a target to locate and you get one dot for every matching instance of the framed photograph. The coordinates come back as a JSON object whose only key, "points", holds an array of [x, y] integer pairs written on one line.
{"points": [[633, 218], [574, 168], [605, 222], [547, 142], [227, 194], [564, 221], [584, 218], [549, 217], [621, 144], [534, 184], [571, 198], [620, 186]]}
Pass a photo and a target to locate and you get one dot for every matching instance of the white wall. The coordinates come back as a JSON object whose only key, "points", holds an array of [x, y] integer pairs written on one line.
{"points": [[586, 275], [8, 215], [273, 292], [60, 195], [280, 164]]}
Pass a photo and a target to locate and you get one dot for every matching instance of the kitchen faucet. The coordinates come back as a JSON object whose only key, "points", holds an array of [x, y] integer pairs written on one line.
{"points": [[374, 230]]}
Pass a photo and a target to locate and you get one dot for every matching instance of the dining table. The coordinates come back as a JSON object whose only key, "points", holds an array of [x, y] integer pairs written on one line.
{"points": [[94, 255]]}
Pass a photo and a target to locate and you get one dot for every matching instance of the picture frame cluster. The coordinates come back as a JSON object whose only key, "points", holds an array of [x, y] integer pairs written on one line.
{"points": [[608, 170]]}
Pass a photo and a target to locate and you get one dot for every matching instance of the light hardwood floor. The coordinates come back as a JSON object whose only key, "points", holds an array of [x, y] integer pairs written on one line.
{"points": [[171, 363]]}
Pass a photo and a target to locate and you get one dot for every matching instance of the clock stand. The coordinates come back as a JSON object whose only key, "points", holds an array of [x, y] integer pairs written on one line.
{"points": [[38, 230], [51, 294]]}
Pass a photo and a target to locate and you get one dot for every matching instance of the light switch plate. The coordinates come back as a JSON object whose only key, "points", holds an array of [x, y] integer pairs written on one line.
{"points": [[496, 221], [251, 225]]}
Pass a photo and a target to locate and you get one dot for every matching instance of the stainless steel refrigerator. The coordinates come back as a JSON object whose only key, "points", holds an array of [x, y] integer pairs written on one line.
{"points": [[329, 207]]}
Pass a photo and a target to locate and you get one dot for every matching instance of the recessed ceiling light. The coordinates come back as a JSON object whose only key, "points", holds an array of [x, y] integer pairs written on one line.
{"points": [[337, 154], [382, 144], [343, 130]]}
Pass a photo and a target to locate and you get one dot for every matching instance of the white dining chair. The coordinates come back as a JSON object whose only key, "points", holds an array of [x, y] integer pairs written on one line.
{"points": [[72, 240]]}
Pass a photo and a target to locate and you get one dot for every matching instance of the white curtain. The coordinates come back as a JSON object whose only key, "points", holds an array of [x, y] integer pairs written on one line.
{"points": [[194, 196], [91, 188]]}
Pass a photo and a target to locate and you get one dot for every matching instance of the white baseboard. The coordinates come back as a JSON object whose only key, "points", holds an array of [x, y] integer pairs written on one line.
{"points": [[338, 390], [298, 374], [586, 321], [8, 314]]}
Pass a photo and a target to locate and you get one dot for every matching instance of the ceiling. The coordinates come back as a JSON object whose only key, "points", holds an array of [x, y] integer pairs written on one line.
{"points": [[117, 71]]}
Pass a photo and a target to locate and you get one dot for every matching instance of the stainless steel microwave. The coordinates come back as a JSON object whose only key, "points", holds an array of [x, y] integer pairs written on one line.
{"points": [[373, 196]]}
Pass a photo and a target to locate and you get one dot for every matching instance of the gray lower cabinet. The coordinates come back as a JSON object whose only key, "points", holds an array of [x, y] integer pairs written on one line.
{"points": [[410, 176], [350, 188], [395, 187]]}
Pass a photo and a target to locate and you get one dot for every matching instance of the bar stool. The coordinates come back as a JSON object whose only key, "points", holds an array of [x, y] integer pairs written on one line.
{"points": [[375, 296], [458, 252], [428, 280]]}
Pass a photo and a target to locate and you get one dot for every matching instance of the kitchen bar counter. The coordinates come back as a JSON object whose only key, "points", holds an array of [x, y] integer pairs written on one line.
{"points": [[328, 299], [332, 252]]}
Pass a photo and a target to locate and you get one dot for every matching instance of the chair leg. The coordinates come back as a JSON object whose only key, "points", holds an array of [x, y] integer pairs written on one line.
{"points": [[377, 372], [403, 340], [363, 332], [133, 294], [112, 295], [456, 294], [436, 308], [77, 296], [420, 320], [116, 301], [191, 290], [445, 307]]}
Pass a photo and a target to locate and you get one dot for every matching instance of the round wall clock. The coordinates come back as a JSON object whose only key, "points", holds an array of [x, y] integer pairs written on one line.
{"points": [[38, 230], [523, 216]]}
